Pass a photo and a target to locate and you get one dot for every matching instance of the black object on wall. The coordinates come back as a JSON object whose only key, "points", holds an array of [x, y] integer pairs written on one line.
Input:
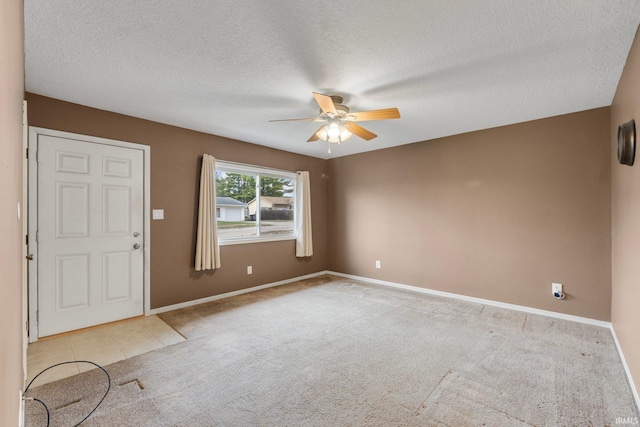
{"points": [[627, 143]]}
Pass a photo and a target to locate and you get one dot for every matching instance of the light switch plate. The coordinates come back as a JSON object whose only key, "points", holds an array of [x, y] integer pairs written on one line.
{"points": [[158, 214]]}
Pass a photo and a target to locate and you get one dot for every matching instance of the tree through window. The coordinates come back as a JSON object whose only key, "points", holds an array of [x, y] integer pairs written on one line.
{"points": [[255, 203]]}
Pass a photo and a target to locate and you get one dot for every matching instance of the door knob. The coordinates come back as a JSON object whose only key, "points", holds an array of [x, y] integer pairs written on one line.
{"points": [[136, 234], [136, 246], [30, 257]]}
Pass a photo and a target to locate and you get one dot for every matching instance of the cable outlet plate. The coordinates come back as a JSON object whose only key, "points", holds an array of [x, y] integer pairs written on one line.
{"points": [[556, 290]]}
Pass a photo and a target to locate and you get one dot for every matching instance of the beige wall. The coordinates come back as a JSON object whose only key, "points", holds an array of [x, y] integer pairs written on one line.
{"points": [[497, 214], [175, 174], [625, 307], [11, 95]]}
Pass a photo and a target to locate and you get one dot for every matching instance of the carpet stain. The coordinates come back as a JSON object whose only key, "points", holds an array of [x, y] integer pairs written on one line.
{"points": [[506, 414], [136, 381], [66, 405], [423, 405], [458, 397]]}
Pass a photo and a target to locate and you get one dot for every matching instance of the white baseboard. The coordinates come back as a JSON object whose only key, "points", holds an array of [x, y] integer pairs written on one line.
{"points": [[634, 390], [21, 410], [233, 294], [508, 306]]}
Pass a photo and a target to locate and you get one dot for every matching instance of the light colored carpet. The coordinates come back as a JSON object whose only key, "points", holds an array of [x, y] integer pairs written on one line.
{"points": [[333, 352]]}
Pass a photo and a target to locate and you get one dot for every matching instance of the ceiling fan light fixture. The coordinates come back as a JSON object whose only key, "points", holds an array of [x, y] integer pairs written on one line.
{"points": [[340, 123], [334, 132], [344, 133]]}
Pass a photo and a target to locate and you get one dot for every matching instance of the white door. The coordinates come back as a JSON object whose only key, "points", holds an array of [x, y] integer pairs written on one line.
{"points": [[90, 234]]}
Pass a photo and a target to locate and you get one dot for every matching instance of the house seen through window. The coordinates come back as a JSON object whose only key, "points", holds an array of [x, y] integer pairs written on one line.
{"points": [[254, 203]]}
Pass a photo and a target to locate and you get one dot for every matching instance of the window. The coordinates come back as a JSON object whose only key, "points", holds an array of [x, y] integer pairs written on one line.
{"points": [[257, 203]]}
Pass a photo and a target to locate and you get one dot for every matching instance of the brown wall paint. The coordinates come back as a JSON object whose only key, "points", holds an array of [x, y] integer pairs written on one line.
{"points": [[176, 154], [625, 255], [497, 214], [11, 95]]}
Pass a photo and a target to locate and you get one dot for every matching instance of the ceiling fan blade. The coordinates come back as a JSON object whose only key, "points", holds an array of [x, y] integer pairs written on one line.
{"points": [[314, 137], [385, 114], [359, 131], [326, 103], [310, 119]]}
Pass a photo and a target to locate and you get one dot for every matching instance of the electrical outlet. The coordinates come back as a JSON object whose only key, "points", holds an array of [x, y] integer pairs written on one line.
{"points": [[556, 290], [377, 263], [249, 269]]}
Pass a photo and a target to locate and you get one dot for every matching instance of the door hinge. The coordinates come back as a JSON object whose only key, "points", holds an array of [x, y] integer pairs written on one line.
{"points": [[37, 155], [26, 239], [37, 236], [27, 152]]}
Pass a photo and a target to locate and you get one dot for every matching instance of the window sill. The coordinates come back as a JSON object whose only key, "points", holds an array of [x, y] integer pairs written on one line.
{"points": [[254, 240]]}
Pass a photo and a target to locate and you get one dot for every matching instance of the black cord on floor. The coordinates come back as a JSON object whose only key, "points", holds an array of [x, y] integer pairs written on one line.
{"points": [[66, 363], [46, 408]]}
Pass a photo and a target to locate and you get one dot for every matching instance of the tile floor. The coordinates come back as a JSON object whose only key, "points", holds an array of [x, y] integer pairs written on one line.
{"points": [[102, 345]]}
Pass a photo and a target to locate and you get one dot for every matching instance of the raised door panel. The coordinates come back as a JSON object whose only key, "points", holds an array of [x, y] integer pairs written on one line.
{"points": [[72, 210], [116, 213], [116, 283], [72, 282]]}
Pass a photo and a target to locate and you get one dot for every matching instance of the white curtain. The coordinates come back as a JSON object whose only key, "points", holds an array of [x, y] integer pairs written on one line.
{"points": [[207, 249], [304, 242]]}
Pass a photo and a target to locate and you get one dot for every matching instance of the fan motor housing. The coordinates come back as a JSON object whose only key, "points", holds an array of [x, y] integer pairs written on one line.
{"points": [[342, 110]]}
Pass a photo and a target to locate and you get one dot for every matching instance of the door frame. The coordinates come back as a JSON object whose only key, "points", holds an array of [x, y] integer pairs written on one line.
{"points": [[34, 133], [23, 214]]}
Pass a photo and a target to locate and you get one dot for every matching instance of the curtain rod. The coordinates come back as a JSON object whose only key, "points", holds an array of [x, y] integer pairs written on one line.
{"points": [[245, 165]]}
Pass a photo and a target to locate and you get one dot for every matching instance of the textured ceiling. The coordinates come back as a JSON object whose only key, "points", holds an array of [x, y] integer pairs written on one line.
{"points": [[226, 67]]}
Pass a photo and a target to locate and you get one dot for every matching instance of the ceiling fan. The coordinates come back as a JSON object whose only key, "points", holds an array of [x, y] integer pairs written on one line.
{"points": [[339, 120]]}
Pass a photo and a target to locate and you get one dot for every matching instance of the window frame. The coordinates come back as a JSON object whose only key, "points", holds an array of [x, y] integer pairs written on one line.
{"points": [[258, 171]]}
